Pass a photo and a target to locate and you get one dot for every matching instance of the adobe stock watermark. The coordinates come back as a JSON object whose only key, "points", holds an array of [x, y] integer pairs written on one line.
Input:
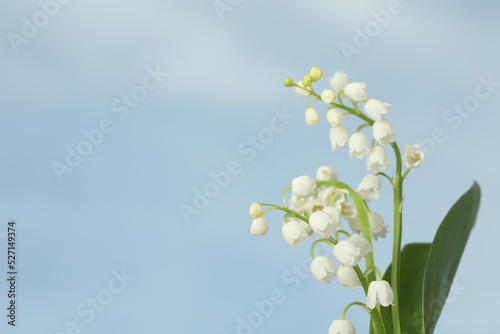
{"points": [[381, 19], [225, 6], [31, 25], [122, 107], [292, 278], [456, 114], [88, 310], [248, 151]]}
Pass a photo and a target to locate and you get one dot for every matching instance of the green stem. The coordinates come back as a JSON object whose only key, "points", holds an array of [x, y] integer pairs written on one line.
{"points": [[396, 251], [294, 214], [377, 321], [284, 195], [311, 102], [406, 173], [314, 244], [342, 317], [387, 177], [363, 218]]}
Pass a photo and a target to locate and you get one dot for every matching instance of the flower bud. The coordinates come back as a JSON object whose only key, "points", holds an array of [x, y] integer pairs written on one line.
{"points": [[339, 81], [356, 91], [259, 226], [369, 187], [338, 137], [293, 233], [303, 186], [326, 173], [376, 159], [348, 278], [413, 155], [255, 210], [302, 92], [335, 117], [383, 132], [327, 96], [342, 327], [358, 145], [288, 82], [379, 293], [376, 109], [312, 116], [323, 269], [307, 80], [377, 225], [316, 73]]}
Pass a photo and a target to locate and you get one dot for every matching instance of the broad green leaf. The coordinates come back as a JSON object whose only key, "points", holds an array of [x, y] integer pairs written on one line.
{"points": [[445, 254], [413, 260]]}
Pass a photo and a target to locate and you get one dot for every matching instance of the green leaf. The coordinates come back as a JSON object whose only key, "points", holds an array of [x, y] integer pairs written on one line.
{"points": [[445, 254], [413, 260]]}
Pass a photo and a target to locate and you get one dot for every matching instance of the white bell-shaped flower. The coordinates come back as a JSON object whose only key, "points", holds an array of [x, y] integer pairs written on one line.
{"points": [[323, 269], [305, 225], [338, 137], [303, 186], [255, 210], [323, 223], [326, 173], [337, 218], [413, 155], [376, 109], [362, 244], [383, 132], [377, 225], [339, 81], [376, 159], [369, 187], [326, 195], [294, 233], [379, 293], [335, 117], [358, 145], [302, 92], [347, 253], [259, 226], [327, 96], [356, 91], [355, 224], [300, 204], [348, 278], [312, 116], [342, 327], [348, 210]]}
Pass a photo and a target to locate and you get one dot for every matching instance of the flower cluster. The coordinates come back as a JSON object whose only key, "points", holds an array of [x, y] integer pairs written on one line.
{"points": [[320, 206]]}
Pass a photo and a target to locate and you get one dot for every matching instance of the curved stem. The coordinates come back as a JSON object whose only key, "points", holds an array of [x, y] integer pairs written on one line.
{"points": [[294, 214], [311, 102], [284, 195], [314, 244], [396, 250], [387, 177], [341, 231], [363, 218], [342, 317]]}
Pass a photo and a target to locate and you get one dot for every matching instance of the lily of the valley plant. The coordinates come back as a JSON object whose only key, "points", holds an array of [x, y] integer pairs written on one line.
{"points": [[409, 296]]}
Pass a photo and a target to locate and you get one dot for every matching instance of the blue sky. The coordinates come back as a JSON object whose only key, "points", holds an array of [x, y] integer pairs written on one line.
{"points": [[219, 83]]}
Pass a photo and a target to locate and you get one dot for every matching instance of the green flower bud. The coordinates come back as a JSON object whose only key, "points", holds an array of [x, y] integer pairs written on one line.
{"points": [[288, 82], [307, 81], [316, 73]]}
